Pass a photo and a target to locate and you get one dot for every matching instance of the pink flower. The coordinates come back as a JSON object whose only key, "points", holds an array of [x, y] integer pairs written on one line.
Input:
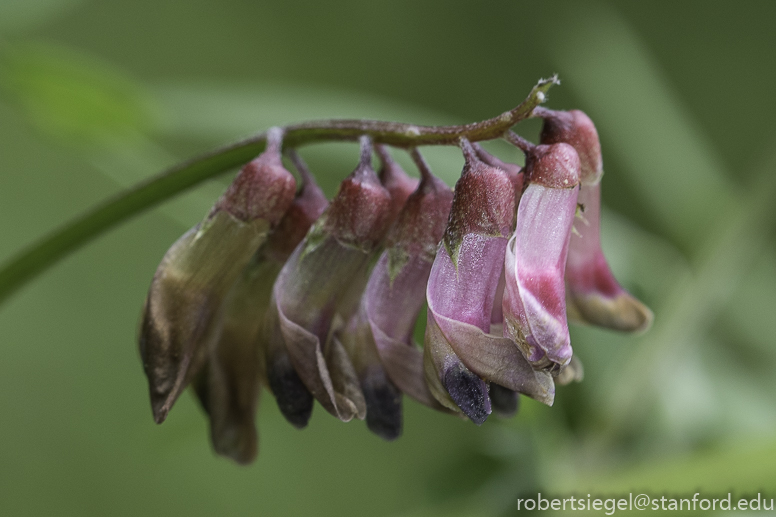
{"points": [[594, 295], [461, 356], [534, 299], [386, 359]]}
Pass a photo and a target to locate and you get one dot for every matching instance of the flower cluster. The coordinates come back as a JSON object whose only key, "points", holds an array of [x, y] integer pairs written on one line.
{"points": [[318, 299]]}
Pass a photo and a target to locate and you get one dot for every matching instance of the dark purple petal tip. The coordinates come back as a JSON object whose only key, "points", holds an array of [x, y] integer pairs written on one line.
{"points": [[468, 391]]}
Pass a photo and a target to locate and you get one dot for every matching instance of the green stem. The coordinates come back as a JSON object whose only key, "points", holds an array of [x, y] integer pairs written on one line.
{"points": [[29, 263]]}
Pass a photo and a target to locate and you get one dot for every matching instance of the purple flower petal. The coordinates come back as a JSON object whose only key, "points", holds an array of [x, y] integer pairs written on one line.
{"points": [[534, 300], [397, 287], [594, 295], [313, 285]]}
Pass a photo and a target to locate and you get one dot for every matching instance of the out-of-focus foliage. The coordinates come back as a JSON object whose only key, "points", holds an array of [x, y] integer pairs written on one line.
{"points": [[95, 96]]}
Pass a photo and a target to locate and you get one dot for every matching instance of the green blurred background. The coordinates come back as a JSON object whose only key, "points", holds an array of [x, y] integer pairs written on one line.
{"points": [[97, 95]]}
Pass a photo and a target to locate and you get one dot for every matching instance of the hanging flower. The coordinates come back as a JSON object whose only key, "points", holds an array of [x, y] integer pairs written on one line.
{"points": [[313, 282], [228, 386], [534, 299], [379, 335], [461, 356], [594, 295], [197, 272]]}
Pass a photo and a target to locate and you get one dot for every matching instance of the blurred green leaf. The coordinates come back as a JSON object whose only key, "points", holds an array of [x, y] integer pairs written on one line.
{"points": [[16, 15], [72, 96]]}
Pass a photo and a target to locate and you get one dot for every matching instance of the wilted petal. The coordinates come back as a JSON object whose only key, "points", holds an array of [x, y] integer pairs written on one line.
{"points": [[572, 372], [534, 299], [185, 300], [228, 385], [186, 296]]}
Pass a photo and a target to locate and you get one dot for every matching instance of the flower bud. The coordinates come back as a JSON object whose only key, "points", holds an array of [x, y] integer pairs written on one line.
{"points": [[594, 296], [228, 385], [460, 353], [313, 281], [197, 272], [534, 299]]}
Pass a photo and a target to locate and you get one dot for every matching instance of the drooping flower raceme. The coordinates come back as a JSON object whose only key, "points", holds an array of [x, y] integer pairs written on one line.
{"points": [[319, 301], [534, 299], [198, 271], [594, 295], [461, 356]]}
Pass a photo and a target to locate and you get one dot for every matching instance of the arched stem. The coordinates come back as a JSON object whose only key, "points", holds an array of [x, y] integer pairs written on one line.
{"points": [[27, 264]]}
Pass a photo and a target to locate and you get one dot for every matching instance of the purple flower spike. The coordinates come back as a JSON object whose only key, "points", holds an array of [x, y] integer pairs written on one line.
{"points": [[197, 272], [594, 296], [534, 298], [228, 385], [312, 284], [460, 354]]}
